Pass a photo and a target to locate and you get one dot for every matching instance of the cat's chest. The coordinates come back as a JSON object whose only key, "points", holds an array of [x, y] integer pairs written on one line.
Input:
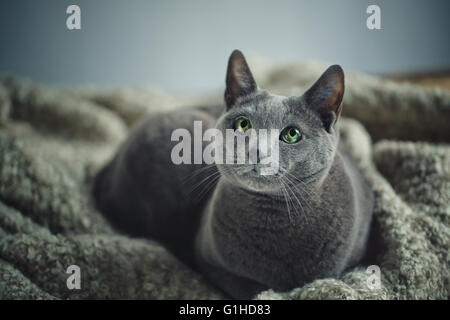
{"points": [[267, 241], [273, 227], [270, 239]]}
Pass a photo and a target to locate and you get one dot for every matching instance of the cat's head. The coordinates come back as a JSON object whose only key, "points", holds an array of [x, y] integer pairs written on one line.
{"points": [[307, 139]]}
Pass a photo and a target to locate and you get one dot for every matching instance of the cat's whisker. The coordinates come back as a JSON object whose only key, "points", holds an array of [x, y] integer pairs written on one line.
{"points": [[297, 187], [314, 195], [289, 200], [208, 186], [204, 180], [195, 173], [294, 197], [305, 188], [299, 201], [208, 183], [283, 190], [296, 179]]}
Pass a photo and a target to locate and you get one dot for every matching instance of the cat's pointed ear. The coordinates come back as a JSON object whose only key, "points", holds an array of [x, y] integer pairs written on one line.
{"points": [[239, 80], [325, 96]]}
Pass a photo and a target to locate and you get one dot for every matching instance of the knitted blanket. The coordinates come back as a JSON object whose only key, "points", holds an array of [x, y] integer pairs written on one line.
{"points": [[53, 141]]}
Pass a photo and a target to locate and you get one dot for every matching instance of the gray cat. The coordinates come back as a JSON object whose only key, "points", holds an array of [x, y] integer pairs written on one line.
{"points": [[311, 219], [249, 232]]}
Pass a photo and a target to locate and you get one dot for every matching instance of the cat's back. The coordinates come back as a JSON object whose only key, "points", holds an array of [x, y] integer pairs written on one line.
{"points": [[142, 192]]}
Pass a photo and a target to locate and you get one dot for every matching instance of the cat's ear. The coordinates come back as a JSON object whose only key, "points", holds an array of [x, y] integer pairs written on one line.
{"points": [[239, 80], [325, 96]]}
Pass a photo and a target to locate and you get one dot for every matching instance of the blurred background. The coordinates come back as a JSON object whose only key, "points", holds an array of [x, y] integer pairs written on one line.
{"points": [[183, 46]]}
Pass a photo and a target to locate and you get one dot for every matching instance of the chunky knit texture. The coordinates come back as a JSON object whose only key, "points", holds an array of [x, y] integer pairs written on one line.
{"points": [[52, 142]]}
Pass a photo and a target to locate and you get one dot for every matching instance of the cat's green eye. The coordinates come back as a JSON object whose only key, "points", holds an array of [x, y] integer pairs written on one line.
{"points": [[242, 124], [291, 135]]}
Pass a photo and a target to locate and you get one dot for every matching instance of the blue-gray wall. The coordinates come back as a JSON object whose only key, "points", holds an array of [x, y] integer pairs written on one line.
{"points": [[184, 45]]}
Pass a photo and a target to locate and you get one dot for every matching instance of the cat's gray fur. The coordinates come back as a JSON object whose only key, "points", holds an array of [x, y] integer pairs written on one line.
{"points": [[143, 193], [250, 232]]}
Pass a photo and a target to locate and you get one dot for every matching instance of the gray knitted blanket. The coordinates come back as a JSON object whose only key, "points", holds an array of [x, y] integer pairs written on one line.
{"points": [[53, 140]]}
